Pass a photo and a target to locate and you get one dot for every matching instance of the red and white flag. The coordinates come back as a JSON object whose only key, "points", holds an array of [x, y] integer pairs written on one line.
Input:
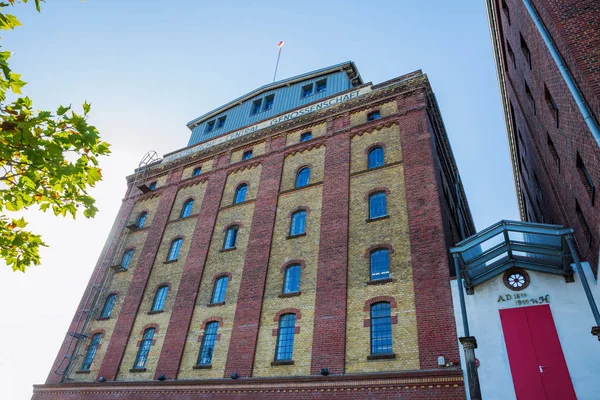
{"points": [[280, 44]]}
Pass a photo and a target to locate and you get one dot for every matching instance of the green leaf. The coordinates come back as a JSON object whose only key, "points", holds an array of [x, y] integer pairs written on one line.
{"points": [[62, 110], [86, 108]]}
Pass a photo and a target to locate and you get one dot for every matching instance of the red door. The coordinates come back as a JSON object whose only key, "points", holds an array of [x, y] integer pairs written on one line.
{"points": [[537, 363]]}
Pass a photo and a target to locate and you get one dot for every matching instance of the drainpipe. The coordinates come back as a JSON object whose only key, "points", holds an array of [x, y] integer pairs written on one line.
{"points": [[586, 285], [575, 92], [469, 342]]}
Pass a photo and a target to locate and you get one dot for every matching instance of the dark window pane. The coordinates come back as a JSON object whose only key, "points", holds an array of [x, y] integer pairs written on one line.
{"points": [[141, 220], [197, 171], [230, 237], [268, 104], [373, 116], [91, 353], [306, 136], [186, 211], [221, 122], [256, 106], [307, 90], [126, 258], [108, 306], [174, 249], [247, 155], [240, 194], [145, 345], [210, 126], [321, 85], [159, 299]]}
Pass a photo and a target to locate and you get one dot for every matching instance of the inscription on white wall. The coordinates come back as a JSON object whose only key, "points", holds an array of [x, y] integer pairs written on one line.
{"points": [[523, 299]]}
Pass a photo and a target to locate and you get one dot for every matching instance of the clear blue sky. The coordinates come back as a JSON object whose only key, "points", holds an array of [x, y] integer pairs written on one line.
{"points": [[149, 66]]}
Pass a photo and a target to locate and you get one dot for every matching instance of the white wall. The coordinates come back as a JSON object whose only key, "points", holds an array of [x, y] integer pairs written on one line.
{"points": [[573, 319]]}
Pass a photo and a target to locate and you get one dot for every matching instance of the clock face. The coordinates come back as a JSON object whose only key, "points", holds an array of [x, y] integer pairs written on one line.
{"points": [[516, 279]]}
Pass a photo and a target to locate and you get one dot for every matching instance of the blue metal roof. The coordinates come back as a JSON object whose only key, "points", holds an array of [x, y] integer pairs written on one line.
{"points": [[347, 66]]}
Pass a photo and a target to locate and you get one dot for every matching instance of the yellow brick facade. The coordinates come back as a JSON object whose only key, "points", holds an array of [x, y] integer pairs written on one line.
{"points": [[313, 158], [385, 110], [318, 130], [390, 231], [217, 263], [206, 166], [258, 149]]}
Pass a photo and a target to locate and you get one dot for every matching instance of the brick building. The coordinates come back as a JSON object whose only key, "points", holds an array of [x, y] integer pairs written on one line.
{"points": [[548, 61], [297, 247]]}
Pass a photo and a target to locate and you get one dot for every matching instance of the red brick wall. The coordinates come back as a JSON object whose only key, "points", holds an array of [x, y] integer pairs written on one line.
{"points": [[244, 335], [118, 341], [183, 308], [97, 276], [578, 38], [433, 299], [329, 335]]}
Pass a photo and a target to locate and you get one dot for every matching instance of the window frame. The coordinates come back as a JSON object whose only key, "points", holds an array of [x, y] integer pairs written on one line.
{"points": [[127, 255], [372, 156], [235, 230], [256, 107], [209, 338], [376, 273], [307, 90], [246, 155], [374, 116], [221, 122], [296, 279], [197, 171], [219, 290], [210, 126], [174, 249], [374, 206], [160, 297], [241, 187], [294, 229], [141, 217], [321, 86], [90, 354], [305, 137], [268, 102], [377, 321], [285, 351], [301, 174], [109, 304], [152, 185], [187, 208], [146, 343]]}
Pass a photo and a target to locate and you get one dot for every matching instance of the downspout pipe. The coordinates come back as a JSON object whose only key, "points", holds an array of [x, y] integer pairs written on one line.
{"points": [[562, 67]]}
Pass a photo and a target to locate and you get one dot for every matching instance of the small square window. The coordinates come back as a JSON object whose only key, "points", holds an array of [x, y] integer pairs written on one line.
{"points": [[307, 90], [152, 185], [321, 85], [268, 104], [305, 136], [256, 106], [197, 171], [373, 116], [221, 121], [247, 155], [210, 126]]}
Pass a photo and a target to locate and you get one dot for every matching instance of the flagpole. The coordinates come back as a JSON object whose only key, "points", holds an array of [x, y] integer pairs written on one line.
{"points": [[280, 45]]}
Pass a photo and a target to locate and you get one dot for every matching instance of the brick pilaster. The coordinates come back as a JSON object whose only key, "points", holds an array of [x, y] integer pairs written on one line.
{"points": [[118, 341], [77, 324], [183, 308], [329, 337], [244, 335], [433, 299]]}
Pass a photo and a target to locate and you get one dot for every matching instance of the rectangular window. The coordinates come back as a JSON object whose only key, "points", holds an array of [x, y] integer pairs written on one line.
{"points": [[307, 90], [553, 151], [526, 51], [210, 126], [221, 121], [285, 337], [373, 116], [256, 106], [552, 105], [268, 103], [197, 171], [511, 54], [530, 97], [208, 343], [586, 179], [506, 11], [587, 232], [247, 155], [321, 85]]}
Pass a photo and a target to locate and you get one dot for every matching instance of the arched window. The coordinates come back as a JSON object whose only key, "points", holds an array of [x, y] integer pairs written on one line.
{"points": [[141, 220], [208, 343], [377, 205], [159, 298], [303, 177], [381, 328], [376, 157], [186, 211], [220, 289], [174, 249], [298, 225], [291, 283], [230, 237], [126, 259], [108, 306], [145, 345], [91, 352], [240, 194], [380, 264], [285, 337]]}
